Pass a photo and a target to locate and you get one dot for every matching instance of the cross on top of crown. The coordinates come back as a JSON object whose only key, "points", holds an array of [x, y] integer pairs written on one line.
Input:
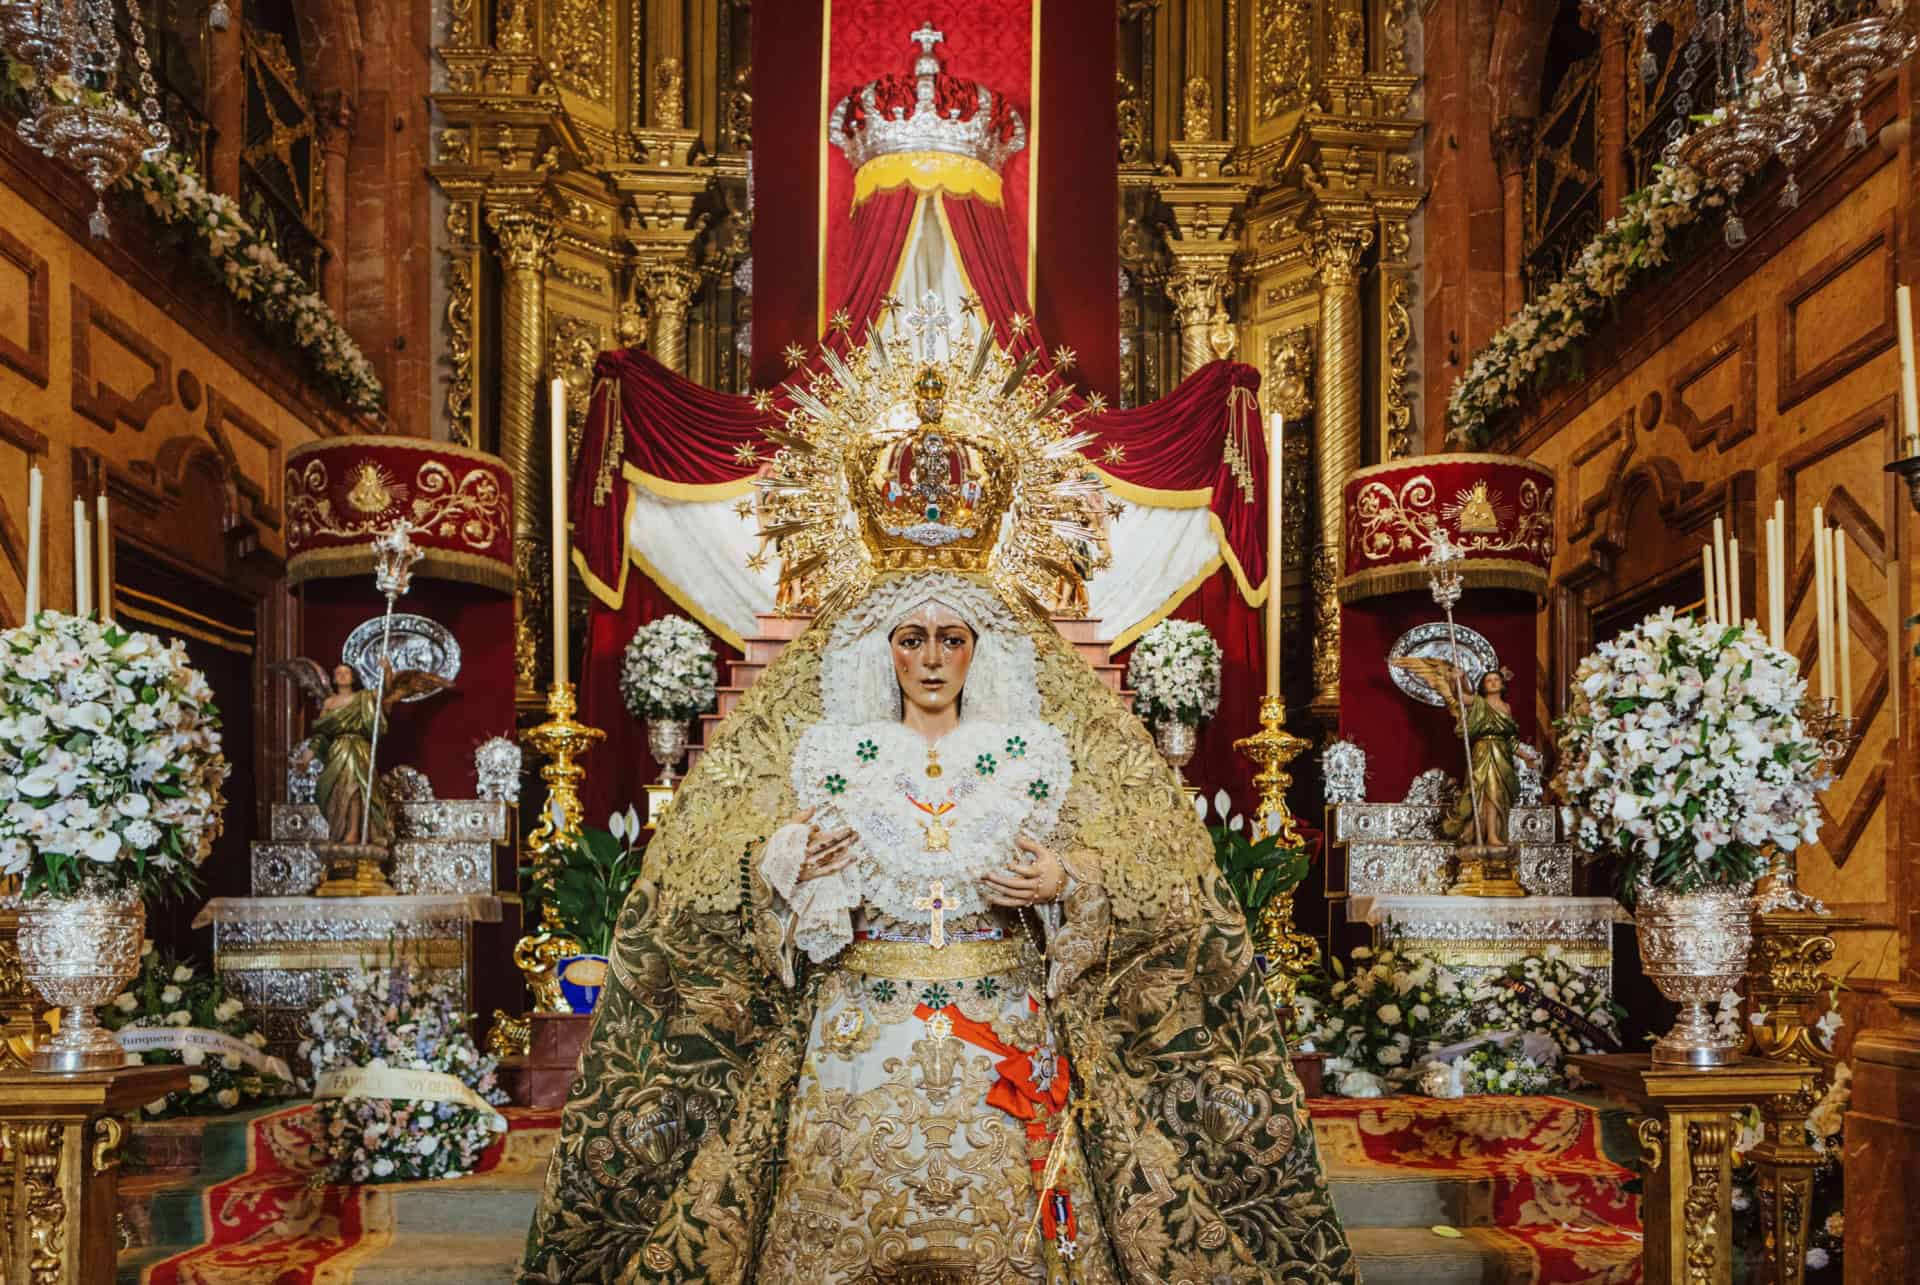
{"points": [[927, 37], [928, 320]]}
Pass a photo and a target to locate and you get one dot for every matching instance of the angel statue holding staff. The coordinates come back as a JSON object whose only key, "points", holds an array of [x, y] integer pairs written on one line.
{"points": [[929, 974], [350, 794], [1479, 706]]}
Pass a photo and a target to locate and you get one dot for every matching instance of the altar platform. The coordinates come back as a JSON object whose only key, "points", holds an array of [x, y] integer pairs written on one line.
{"points": [[1531, 1184]]}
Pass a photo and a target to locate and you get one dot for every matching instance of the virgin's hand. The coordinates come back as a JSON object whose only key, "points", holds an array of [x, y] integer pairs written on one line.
{"points": [[826, 853], [1040, 880]]}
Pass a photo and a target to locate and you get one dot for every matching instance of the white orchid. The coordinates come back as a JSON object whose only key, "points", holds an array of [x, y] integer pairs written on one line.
{"points": [[1175, 675]]}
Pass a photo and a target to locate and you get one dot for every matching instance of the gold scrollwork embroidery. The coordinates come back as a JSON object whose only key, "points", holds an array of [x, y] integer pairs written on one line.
{"points": [[469, 507], [1384, 521]]}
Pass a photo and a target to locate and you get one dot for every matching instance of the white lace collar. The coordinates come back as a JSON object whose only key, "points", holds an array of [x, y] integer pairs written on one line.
{"points": [[996, 781]]}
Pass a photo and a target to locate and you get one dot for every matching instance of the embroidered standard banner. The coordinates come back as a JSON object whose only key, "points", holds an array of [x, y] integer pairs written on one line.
{"points": [[392, 1082], [1496, 509], [178, 1039]]}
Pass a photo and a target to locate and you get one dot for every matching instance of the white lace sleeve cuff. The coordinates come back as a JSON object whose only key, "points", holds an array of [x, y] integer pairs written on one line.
{"points": [[821, 909], [781, 860]]}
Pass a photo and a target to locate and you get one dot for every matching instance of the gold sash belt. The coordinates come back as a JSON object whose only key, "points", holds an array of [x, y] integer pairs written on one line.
{"points": [[913, 961]]}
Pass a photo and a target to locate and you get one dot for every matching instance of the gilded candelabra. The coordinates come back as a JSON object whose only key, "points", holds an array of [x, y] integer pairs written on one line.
{"points": [[562, 740], [1836, 734], [1289, 951]]}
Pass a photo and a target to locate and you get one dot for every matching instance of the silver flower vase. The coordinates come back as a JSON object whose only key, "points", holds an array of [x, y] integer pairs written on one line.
{"points": [[1176, 742], [1694, 947], [78, 952], [667, 742]]}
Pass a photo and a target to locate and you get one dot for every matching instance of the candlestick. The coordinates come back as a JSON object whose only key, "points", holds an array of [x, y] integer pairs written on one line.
{"points": [[1706, 567], [557, 470], [1909, 395], [82, 560], [103, 545], [1735, 616], [1720, 573], [35, 485], [1841, 626], [1822, 604], [1276, 466]]}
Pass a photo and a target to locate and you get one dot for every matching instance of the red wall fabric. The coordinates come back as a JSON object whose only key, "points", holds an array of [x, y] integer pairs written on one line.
{"points": [[620, 765], [1217, 604], [1076, 227], [1401, 736], [789, 123], [438, 735], [989, 41]]}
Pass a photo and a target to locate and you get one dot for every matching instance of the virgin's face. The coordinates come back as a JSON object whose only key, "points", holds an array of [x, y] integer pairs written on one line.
{"points": [[932, 651]]}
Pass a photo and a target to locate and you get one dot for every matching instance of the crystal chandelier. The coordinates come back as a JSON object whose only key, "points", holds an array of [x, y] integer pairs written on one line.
{"points": [[74, 112], [1642, 14], [1785, 69]]}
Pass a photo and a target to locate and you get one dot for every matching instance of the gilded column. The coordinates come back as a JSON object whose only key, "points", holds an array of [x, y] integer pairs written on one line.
{"points": [[1512, 145], [1338, 249], [669, 289], [524, 240], [1200, 310]]}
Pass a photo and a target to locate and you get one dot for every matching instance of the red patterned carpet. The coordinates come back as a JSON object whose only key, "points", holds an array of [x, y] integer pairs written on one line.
{"points": [[1557, 1169], [275, 1222]]}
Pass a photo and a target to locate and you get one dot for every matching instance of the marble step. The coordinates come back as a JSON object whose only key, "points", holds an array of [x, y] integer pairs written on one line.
{"points": [[1371, 1199], [1415, 1256]]}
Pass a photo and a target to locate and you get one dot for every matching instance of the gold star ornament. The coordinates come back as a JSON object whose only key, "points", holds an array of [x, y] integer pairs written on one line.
{"points": [[794, 354], [1114, 455], [1019, 323], [1064, 357], [763, 401], [756, 562], [746, 453]]}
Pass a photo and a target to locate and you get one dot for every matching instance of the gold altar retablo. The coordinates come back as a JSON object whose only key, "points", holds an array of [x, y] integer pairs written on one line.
{"points": [[1486, 870]]}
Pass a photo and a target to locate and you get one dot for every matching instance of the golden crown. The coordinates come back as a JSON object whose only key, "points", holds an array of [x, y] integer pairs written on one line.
{"points": [[893, 460]]}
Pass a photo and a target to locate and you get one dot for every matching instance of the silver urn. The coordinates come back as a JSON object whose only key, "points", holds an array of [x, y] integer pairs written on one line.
{"points": [[667, 742], [79, 952], [1694, 947], [1176, 742]]}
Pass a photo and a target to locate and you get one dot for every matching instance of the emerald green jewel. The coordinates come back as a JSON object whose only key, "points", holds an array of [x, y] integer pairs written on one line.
{"points": [[987, 987], [984, 765], [935, 996], [1039, 790], [835, 783], [1016, 747], [883, 990], [867, 751], [933, 513]]}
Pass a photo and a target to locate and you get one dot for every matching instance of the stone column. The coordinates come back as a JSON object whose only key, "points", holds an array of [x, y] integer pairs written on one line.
{"points": [[226, 108], [669, 289], [1512, 148], [524, 241], [1614, 183], [1338, 249], [335, 118], [1198, 295]]}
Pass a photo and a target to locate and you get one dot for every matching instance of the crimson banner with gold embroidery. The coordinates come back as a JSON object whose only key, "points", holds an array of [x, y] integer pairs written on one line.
{"points": [[343, 492], [1497, 509]]}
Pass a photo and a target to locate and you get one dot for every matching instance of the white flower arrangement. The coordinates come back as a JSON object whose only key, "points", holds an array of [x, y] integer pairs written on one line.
{"points": [[1378, 1024], [1524, 352], [111, 773], [1175, 673], [173, 993], [1490, 1070], [1548, 996], [405, 1019], [669, 670], [1683, 755], [242, 260]]}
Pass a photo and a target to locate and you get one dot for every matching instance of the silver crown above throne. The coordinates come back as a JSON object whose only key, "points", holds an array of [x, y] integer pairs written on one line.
{"points": [[929, 111]]}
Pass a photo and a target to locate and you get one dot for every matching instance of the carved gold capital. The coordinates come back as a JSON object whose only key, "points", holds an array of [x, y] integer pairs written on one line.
{"points": [[1338, 250], [667, 284], [523, 237]]}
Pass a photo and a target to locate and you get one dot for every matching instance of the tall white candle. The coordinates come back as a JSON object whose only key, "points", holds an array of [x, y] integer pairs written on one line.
{"points": [[35, 488], [1776, 634], [1734, 615], [1909, 394], [1721, 613], [1276, 475], [557, 471], [1822, 604], [1842, 627], [103, 540], [1778, 573], [82, 560], [1708, 608]]}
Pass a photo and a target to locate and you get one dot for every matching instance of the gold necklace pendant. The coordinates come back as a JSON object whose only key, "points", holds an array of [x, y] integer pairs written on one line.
{"points": [[938, 835], [933, 762]]}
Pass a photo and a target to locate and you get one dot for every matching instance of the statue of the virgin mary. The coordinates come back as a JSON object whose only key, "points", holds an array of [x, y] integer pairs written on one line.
{"points": [[930, 976]]}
